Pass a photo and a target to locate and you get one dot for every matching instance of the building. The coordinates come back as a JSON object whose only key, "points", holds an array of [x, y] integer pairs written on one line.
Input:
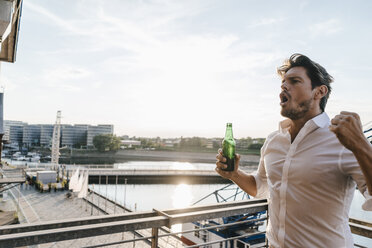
{"points": [[80, 135], [46, 135], [74, 136], [13, 132], [67, 135], [31, 135], [97, 130], [18, 134], [130, 143]]}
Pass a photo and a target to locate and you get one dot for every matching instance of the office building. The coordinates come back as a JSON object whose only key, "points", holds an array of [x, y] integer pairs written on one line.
{"points": [[74, 136], [46, 135], [97, 130], [18, 133], [13, 132], [31, 135]]}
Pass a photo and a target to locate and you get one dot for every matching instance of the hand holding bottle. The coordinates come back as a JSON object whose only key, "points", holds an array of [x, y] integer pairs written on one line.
{"points": [[221, 166], [228, 148]]}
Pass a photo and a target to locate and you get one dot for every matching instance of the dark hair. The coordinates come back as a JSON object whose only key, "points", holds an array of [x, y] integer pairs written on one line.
{"points": [[318, 75]]}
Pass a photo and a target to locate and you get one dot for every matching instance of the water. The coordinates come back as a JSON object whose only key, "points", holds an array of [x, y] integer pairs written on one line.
{"points": [[164, 165], [142, 197], [167, 196]]}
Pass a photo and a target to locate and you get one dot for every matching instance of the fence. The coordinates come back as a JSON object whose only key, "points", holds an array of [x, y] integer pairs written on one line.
{"points": [[54, 231]]}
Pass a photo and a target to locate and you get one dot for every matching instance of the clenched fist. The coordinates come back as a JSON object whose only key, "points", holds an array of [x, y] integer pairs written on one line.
{"points": [[348, 129]]}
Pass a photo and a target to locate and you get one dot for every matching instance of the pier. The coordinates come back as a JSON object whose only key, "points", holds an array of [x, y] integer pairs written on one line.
{"points": [[148, 176]]}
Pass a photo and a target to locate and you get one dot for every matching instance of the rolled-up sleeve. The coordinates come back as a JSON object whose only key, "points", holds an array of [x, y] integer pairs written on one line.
{"points": [[349, 165], [260, 175], [261, 181]]}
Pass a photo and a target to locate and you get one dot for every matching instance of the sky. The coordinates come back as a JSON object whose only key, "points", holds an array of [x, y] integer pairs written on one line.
{"points": [[174, 68]]}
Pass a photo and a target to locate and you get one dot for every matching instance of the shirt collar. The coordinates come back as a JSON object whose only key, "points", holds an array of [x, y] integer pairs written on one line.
{"points": [[322, 120]]}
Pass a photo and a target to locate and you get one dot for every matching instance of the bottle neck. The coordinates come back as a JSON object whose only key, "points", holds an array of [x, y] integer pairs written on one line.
{"points": [[229, 132]]}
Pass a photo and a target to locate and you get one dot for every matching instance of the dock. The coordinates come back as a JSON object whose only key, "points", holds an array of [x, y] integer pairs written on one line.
{"points": [[148, 176]]}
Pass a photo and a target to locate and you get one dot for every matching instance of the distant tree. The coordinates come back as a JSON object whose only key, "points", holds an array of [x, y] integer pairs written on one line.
{"points": [[115, 143], [106, 142], [255, 146], [191, 142], [79, 145], [148, 143]]}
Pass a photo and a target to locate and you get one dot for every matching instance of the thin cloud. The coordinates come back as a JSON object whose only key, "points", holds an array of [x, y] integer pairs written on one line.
{"points": [[266, 22], [328, 27], [7, 84], [65, 25], [66, 78], [66, 73]]}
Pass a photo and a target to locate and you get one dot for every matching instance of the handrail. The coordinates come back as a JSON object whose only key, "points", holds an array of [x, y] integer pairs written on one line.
{"points": [[53, 231], [361, 227], [222, 226], [44, 232]]}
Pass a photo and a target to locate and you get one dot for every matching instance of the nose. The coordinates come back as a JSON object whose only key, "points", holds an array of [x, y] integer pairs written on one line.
{"points": [[284, 86]]}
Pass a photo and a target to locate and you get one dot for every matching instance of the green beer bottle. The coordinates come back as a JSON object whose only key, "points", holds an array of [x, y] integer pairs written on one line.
{"points": [[228, 148]]}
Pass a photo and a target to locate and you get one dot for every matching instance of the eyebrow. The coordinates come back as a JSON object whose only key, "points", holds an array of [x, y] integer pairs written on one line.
{"points": [[291, 78]]}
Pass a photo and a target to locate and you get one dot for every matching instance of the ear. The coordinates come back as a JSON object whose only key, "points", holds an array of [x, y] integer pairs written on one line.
{"points": [[321, 91]]}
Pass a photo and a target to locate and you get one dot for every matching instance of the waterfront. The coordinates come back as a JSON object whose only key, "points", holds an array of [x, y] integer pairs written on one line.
{"points": [[141, 197], [165, 196]]}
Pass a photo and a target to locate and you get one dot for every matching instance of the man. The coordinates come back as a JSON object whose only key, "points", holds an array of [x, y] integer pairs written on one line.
{"points": [[305, 171]]}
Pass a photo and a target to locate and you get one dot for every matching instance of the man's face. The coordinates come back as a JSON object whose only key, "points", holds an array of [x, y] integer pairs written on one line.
{"points": [[296, 98]]}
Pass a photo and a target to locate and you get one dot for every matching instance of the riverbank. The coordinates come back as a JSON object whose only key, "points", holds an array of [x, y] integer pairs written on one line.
{"points": [[81, 157]]}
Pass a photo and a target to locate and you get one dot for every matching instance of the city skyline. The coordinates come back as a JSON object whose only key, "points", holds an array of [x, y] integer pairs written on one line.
{"points": [[167, 68], [18, 133]]}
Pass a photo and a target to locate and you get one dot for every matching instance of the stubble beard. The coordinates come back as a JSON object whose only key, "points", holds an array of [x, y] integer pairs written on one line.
{"points": [[298, 112]]}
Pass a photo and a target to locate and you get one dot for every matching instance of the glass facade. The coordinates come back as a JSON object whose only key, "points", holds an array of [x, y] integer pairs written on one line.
{"points": [[67, 135], [31, 135], [46, 135], [13, 132], [74, 136], [97, 130], [78, 136]]}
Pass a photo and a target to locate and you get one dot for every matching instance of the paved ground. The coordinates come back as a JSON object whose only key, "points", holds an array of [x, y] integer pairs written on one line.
{"points": [[35, 207], [38, 206], [111, 208]]}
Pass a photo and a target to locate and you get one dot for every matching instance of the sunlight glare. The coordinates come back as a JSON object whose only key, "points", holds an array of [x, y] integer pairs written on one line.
{"points": [[182, 166], [181, 198]]}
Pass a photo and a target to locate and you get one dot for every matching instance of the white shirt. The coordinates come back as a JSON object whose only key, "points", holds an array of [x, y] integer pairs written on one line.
{"points": [[310, 184]]}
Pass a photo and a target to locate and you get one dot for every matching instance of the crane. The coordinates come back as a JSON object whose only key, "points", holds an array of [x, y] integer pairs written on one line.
{"points": [[56, 139]]}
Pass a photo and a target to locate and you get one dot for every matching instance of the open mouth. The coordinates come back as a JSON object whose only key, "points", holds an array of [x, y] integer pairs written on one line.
{"points": [[283, 98]]}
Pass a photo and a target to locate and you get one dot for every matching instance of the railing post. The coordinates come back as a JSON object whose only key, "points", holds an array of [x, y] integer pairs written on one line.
{"points": [[267, 223], [106, 193], [116, 187], [154, 240]]}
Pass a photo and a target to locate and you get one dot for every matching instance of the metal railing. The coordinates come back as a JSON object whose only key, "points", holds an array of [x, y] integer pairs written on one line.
{"points": [[54, 231]]}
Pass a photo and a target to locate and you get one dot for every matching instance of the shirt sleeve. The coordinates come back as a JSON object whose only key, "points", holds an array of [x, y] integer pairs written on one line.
{"points": [[261, 180], [349, 165], [260, 175]]}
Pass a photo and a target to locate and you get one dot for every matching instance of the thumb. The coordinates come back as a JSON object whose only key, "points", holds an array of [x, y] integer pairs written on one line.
{"points": [[332, 128], [237, 159]]}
